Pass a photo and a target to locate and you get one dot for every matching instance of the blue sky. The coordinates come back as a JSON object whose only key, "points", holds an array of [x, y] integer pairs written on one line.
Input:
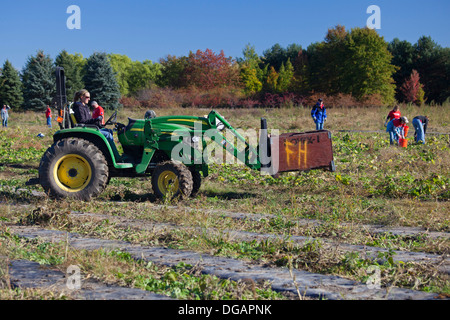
{"points": [[152, 29]]}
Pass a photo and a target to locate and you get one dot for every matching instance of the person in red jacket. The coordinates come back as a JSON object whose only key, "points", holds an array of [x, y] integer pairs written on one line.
{"points": [[393, 114], [48, 115], [98, 111]]}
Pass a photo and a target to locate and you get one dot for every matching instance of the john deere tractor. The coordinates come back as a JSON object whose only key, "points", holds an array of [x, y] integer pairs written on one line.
{"points": [[81, 161]]}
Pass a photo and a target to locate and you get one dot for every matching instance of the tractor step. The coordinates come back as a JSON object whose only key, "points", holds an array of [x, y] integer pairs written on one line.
{"points": [[123, 165]]}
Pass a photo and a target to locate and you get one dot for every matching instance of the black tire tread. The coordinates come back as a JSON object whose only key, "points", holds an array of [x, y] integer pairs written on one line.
{"points": [[185, 181], [84, 148]]}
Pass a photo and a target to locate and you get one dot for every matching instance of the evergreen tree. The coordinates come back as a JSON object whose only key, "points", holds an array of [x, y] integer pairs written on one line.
{"points": [[250, 72], [285, 76], [271, 83], [10, 86], [277, 55], [72, 70], [402, 57], [300, 80], [39, 83], [99, 79], [432, 62]]}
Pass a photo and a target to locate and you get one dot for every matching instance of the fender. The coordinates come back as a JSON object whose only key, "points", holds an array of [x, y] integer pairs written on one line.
{"points": [[94, 135]]}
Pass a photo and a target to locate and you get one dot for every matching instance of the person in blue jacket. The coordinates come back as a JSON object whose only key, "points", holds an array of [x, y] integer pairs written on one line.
{"points": [[319, 114]]}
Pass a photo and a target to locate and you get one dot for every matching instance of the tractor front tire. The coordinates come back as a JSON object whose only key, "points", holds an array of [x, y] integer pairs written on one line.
{"points": [[73, 168], [172, 179]]}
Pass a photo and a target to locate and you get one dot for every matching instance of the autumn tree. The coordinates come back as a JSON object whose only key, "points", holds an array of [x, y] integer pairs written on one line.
{"points": [[412, 89], [250, 73], [271, 83], [249, 78], [207, 70], [172, 72]]}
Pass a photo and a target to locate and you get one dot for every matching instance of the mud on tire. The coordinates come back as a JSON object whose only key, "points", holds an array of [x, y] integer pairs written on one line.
{"points": [[73, 168], [173, 179]]}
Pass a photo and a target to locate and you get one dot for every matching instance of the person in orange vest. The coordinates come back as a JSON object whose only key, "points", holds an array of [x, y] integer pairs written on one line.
{"points": [[396, 129], [98, 112], [48, 115]]}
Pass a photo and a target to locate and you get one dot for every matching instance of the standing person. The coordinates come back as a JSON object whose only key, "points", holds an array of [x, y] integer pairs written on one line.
{"points": [[393, 114], [319, 114], [396, 129], [98, 111], [420, 124], [5, 115], [48, 115]]}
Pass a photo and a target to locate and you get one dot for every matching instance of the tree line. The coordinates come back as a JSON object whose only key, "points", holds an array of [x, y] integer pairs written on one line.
{"points": [[356, 66]]}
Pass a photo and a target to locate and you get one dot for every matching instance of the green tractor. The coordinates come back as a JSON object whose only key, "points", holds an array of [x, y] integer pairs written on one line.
{"points": [[81, 161]]}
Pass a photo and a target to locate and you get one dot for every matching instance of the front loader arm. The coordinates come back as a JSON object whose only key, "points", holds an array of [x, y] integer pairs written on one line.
{"points": [[249, 155]]}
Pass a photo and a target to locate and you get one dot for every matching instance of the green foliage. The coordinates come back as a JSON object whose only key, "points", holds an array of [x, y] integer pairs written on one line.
{"points": [[100, 81], [121, 65], [142, 75], [356, 63], [38, 80], [172, 73], [285, 76], [350, 67], [10, 86], [73, 68], [368, 69], [133, 76]]}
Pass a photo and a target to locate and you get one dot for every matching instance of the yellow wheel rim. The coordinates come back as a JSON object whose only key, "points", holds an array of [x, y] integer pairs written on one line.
{"points": [[72, 173], [168, 182]]}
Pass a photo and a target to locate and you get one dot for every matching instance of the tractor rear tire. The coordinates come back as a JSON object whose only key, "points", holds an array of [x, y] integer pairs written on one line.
{"points": [[73, 168], [172, 179], [197, 182]]}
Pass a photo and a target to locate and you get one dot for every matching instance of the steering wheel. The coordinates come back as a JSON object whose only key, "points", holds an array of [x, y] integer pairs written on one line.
{"points": [[112, 120]]}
